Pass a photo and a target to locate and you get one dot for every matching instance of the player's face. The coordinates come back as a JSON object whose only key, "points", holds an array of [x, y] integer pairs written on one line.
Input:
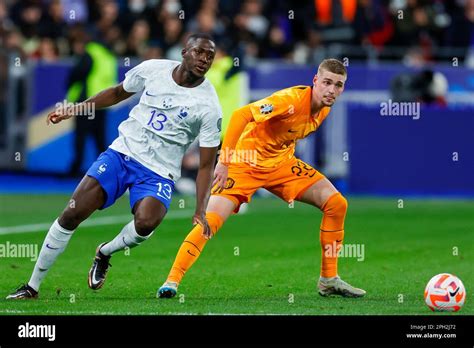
{"points": [[198, 56], [327, 86]]}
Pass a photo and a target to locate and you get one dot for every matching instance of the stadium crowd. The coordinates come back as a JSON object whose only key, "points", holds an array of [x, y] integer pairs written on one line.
{"points": [[303, 31]]}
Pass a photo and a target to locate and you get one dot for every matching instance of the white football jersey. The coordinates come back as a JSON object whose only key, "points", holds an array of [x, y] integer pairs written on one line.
{"points": [[167, 119]]}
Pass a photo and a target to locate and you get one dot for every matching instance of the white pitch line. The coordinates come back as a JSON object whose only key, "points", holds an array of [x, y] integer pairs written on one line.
{"points": [[99, 221]]}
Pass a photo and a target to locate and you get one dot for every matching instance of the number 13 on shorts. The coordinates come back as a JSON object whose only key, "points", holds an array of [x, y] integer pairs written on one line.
{"points": [[164, 190]]}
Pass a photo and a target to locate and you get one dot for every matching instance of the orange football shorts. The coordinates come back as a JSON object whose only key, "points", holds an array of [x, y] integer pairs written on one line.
{"points": [[288, 181]]}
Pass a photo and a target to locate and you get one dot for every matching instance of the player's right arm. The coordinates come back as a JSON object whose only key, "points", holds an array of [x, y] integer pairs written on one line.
{"points": [[106, 98], [239, 120]]}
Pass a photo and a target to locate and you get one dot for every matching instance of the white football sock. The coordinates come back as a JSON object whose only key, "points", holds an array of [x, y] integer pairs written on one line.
{"points": [[54, 244], [128, 237]]}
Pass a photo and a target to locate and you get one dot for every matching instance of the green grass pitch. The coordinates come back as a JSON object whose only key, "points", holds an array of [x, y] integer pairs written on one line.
{"points": [[265, 261]]}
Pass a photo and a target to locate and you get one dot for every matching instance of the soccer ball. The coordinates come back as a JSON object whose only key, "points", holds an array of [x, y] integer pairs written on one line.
{"points": [[445, 293]]}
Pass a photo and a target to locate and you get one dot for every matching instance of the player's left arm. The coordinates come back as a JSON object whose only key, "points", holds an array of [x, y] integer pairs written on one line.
{"points": [[203, 185]]}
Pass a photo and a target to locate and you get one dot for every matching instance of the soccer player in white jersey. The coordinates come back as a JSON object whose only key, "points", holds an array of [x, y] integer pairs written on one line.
{"points": [[177, 105]]}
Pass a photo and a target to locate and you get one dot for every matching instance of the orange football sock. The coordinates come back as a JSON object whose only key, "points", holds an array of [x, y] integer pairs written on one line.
{"points": [[192, 247], [332, 233]]}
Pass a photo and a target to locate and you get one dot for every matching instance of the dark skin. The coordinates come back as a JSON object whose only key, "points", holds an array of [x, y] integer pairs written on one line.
{"points": [[89, 196]]}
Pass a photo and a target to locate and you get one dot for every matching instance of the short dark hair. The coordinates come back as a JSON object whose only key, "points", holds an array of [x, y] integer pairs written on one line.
{"points": [[198, 36], [333, 65]]}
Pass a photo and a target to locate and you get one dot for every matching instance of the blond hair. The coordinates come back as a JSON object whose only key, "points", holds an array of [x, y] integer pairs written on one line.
{"points": [[333, 65]]}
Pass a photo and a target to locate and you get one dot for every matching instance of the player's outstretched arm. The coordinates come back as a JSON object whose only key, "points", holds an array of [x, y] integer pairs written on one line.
{"points": [[106, 98], [203, 186]]}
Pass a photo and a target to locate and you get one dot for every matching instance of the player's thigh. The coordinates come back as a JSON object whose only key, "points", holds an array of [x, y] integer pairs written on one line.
{"points": [[150, 199], [221, 205], [110, 170], [318, 193], [87, 198], [292, 179]]}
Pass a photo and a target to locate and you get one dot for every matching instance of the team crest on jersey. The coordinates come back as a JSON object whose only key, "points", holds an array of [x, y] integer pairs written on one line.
{"points": [[167, 103], [266, 108], [229, 183], [183, 112]]}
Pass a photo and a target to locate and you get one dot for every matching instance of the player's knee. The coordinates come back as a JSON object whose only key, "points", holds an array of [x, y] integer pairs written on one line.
{"points": [[343, 204], [336, 205], [144, 226]]}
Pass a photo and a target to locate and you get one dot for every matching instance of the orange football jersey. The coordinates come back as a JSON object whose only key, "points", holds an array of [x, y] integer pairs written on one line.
{"points": [[280, 120]]}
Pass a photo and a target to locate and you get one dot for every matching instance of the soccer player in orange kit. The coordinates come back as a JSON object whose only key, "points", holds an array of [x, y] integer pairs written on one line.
{"points": [[258, 152]]}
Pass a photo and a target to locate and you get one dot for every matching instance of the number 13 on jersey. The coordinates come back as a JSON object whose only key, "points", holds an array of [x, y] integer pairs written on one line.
{"points": [[157, 120]]}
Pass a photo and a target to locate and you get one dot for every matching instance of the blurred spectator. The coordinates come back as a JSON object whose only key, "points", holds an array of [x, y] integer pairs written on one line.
{"points": [[173, 31], [108, 17], [47, 50], [27, 17], [226, 76], [175, 40], [250, 27], [113, 38], [372, 24], [416, 27], [5, 22], [461, 34], [334, 19], [251, 19], [95, 70], [207, 22], [138, 38], [276, 44], [304, 31], [54, 25], [14, 43], [407, 31], [3, 99]]}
